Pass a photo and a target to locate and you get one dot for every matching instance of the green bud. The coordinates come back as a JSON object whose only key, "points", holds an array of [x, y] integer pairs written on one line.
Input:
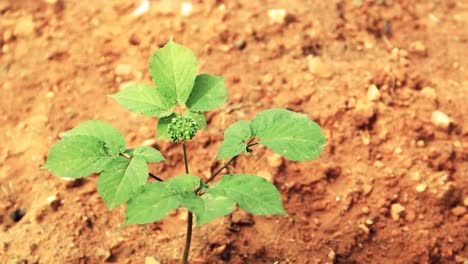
{"points": [[182, 128]]}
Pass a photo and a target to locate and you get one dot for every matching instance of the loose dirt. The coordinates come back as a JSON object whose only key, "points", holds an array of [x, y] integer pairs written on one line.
{"points": [[386, 79]]}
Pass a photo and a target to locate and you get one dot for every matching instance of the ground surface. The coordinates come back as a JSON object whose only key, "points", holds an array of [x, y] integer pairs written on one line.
{"points": [[391, 186]]}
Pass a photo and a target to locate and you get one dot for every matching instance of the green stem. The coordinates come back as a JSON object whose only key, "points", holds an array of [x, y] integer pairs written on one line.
{"points": [[185, 158], [188, 239]]}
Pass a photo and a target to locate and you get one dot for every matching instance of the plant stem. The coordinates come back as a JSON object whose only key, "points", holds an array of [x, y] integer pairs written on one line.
{"points": [[188, 239], [185, 158], [217, 172], [155, 177], [221, 169]]}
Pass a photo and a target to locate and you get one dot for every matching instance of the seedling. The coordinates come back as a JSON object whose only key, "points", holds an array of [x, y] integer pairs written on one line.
{"points": [[179, 100]]}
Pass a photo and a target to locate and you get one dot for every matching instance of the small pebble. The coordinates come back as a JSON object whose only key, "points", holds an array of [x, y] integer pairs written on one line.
{"points": [[186, 9], [398, 150], [440, 119], [24, 26], [50, 94], [365, 210], [277, 16], [275, 160], [104, 254], [367, 189], [396, 210], [373, 93], [219, 250], [123, 69], [151, 260], [421, 187], [319, 68], [418, 48], [149, 142], [429, 93], [54, 202], [420, 143], [364, 228], [459, 211], [240, 44], [142, 8]]}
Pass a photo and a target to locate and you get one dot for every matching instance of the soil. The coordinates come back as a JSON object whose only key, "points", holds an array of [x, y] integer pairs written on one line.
{"points": [[387, 80]]}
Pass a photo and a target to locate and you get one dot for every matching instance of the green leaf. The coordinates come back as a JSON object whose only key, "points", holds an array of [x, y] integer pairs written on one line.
{"points": [[163, 126], [234, 140], [289, 134], [199, 118], [113, 140], [209, 92], [144, 99], [173, 68], [157, 199], [252, 193], [213, 206], [149, 154], [77, 156], [120, 179]]}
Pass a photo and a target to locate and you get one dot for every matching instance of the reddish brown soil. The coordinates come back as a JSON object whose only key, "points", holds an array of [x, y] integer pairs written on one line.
{"points": [[58, 64]]}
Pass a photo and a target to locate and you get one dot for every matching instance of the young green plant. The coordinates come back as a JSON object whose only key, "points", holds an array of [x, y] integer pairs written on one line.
{"points": [[95, 147]]}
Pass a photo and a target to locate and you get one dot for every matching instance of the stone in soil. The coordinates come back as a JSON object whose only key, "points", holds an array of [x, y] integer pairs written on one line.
{"points": [[277, 16], [396, 211], [364, 113], [24, 27], [373, 93], [123, 69], [440, 119], [151, 260], [102, 253], [418, 48], [459, 211], [421, 187], [319, 68]]}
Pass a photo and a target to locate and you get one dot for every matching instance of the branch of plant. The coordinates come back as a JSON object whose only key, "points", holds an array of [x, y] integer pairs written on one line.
{"points": [[155, 177], [218, 171]]}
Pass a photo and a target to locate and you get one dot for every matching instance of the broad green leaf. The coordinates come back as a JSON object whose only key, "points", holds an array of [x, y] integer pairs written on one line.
{"points": [[209, 92], [77, 156], [149, 154], [120, 179], [252, 193], [162, 127], [144, 99], [157, 199], [289, 134], [174, 68], [113, 140], [199, 118], [234, 140], [213, 206]]}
